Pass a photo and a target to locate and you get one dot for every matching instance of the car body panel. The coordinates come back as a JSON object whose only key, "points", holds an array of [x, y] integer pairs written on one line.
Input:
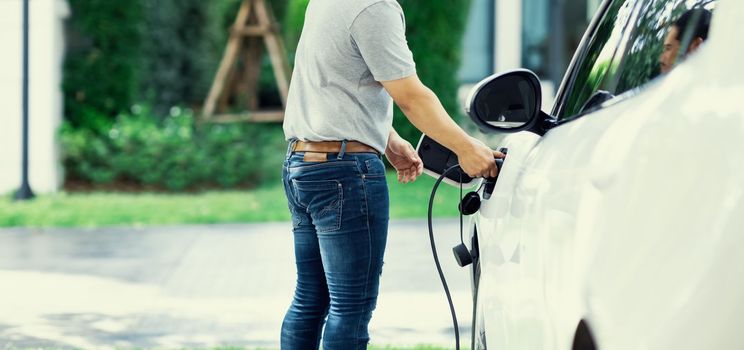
{"points": [[498, 248], [628, 217], [667, 274]]}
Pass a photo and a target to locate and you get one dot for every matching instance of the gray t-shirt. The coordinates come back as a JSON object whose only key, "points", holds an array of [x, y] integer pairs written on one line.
{"points": [[346, 48]]}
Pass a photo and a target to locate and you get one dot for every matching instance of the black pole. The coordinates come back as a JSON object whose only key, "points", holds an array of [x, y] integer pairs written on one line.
{"points": [[25, 193]]}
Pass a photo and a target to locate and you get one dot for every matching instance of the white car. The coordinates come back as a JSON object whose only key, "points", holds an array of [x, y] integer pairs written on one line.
{"points": [[617, 221]]}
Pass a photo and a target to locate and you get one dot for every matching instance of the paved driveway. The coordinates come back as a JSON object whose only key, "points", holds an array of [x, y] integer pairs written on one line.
{"points": [[202, 286]]}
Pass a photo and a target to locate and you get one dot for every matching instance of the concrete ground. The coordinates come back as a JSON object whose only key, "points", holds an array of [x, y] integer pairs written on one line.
{"points": [[203, 286]]}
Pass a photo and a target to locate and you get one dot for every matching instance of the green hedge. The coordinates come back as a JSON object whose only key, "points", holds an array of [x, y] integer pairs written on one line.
{"points": [[183, 41], [158, 53], [171, 153], [434, 30], [101, 69]]}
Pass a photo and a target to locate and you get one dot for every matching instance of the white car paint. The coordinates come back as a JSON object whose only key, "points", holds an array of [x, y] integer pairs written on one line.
{"points": [[631, 217]]}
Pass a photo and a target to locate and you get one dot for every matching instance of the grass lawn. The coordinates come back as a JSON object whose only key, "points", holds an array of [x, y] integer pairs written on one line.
{"points": [[418, 347], [259, 205], [373, 347]]}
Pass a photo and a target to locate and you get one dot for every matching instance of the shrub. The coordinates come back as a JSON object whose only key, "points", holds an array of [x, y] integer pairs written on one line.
{"points": [[101, 69], [172, 153]]}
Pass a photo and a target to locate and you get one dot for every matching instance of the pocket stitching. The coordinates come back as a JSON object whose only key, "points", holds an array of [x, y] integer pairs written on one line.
{"points": [[336, 205]]}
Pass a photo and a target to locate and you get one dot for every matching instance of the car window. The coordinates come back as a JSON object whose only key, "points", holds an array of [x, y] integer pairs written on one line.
{"points": [[627, 50]]}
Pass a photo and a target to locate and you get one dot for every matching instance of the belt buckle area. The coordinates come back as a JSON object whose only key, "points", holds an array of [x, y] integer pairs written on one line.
{"points": [[315, 157]]}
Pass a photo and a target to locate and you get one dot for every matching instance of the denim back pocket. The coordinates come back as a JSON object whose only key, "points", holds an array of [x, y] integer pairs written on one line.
{"points": [[323, 200]]}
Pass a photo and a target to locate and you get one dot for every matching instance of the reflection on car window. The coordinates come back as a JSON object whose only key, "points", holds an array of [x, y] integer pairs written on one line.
{"points": [[633, 44]]}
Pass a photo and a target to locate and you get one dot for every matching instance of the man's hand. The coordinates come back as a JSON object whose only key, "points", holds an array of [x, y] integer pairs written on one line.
{"points": [[478, 161], [403, 158]]}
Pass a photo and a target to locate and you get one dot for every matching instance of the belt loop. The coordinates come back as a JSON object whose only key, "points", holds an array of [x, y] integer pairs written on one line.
{"points": [[342, 153], [290, 147]]}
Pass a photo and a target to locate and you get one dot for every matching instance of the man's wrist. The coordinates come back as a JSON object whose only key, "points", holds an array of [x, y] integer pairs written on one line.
{"points": [[392, 138], [463, 145]]}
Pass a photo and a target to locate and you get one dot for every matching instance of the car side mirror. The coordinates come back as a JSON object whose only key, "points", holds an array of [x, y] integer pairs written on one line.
{"points": [[509, 102]]}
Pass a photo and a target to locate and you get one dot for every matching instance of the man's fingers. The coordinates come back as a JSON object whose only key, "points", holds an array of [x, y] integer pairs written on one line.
{"points": [[403, 176], [416, 173], [497, 154], [490, 171], [417, 167], [413, 173]]}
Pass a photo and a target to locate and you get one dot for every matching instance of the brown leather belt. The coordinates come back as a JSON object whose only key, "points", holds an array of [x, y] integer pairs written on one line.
{"points": [[332, 147]]}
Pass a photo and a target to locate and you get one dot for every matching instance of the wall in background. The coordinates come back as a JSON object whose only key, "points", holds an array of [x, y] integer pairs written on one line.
{"points": [[46, 48]]}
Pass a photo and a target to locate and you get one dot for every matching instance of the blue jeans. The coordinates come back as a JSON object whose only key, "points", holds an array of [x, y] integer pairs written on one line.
{"points": [[340, 212]]}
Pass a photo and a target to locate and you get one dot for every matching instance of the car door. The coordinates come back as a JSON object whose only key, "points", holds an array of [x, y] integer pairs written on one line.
{"points": [[532, 245]]}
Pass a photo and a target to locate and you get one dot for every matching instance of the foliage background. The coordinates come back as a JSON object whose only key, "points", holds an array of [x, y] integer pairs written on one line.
{"points": [[101, 69], [139, 149], [434, 30], [134, 73], [158, 52], [181, 46]]}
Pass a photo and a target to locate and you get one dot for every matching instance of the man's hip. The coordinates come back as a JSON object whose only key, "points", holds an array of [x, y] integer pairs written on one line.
{"points": [[337, 188]]}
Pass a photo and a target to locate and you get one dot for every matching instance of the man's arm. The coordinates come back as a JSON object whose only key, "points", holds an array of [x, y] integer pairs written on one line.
{"points": [[379, 34], [422, 107]]}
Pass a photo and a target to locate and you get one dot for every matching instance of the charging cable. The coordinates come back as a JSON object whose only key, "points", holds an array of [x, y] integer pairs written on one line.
{"points": [[488, 186], [436, 257]]}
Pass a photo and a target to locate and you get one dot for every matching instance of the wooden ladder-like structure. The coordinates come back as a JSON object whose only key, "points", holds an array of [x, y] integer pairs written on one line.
{"points": [[238, 75]]}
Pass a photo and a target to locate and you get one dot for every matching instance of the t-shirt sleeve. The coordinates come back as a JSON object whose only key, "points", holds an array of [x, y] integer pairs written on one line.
{"points": [[379, 33]]}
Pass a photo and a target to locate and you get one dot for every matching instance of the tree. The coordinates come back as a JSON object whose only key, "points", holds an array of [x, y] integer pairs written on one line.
{"points": [[101, 69]]}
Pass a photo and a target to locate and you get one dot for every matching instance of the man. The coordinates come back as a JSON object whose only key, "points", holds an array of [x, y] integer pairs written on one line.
{"points": [[351, 59], [694, 24]]}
